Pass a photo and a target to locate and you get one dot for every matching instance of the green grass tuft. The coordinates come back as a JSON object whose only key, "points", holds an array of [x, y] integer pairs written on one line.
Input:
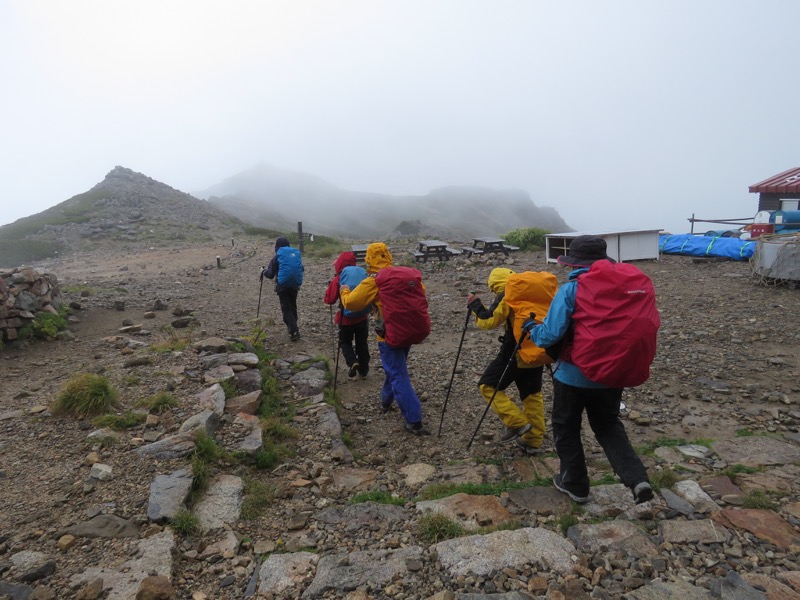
{"points": [[379, 496], [185, 523], [434, 528], [124, 420], [567, 521], [759, 500], [158, 403], [206, 448], [443, 490], [664, 479], [257, 496], [86, 395]]}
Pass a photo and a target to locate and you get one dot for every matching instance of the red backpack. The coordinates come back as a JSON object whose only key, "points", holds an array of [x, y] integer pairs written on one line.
{"points": [[404, 306], [615, 325]]}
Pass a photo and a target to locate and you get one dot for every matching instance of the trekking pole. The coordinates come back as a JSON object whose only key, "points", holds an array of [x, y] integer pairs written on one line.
{"points": [[333, 331], [489, 404], [336, 370], [453, 374], [260, 287]]}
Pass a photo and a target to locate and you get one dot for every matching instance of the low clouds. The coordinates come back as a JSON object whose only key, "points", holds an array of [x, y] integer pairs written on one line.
{"points": [[620, 114]]}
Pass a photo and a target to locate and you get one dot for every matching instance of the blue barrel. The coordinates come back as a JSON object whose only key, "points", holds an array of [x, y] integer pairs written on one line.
{"points": [[784, 217]]}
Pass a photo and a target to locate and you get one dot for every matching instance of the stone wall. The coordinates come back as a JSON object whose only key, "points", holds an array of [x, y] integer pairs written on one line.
{"points": [[23, 293]]}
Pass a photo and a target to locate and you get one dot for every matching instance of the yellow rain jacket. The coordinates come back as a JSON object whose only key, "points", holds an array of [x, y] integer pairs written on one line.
{"points": [[365, 293], [502, 312]]}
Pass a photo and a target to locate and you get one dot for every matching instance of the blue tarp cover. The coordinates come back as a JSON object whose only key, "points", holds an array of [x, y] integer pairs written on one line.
{"points": [[700, 245]]}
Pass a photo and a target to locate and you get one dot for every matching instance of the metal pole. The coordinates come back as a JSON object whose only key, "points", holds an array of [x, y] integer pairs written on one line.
{"points": [[336, 370], [489, 404], [260, 287], [453, 374]]}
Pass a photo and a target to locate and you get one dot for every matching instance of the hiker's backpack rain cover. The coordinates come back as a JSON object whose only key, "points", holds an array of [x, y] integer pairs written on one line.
{"points": [[616, 325], [351, 276], [404, 306], [290, 267], [526, 293]]}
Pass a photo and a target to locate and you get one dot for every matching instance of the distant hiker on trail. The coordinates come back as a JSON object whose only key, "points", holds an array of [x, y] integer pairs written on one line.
{"points": [[353, 326], [592, 335], [286, 268], [526, 427], [398, 298]]}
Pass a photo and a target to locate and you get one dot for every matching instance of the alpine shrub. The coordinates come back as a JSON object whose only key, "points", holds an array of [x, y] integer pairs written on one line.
{"points": [[531, 238]]}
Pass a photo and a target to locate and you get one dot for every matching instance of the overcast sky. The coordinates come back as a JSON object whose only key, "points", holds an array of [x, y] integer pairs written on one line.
{"points": [[619, 113]]}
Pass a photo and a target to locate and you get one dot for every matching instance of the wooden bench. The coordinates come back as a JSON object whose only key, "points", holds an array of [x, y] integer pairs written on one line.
{"points": [[469, 251], [510, 248]]}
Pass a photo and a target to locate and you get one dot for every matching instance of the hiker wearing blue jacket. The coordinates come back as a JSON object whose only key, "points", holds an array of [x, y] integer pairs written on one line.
{"points": [[286, 268], [573, 392]]}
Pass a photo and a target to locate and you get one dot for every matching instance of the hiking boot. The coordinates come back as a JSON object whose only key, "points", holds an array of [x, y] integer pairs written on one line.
{"points": [[560, 487], [417, 428], [353, 370], [385, 408], [527, 448], [642, 492], [510, 434], [295, 335]]}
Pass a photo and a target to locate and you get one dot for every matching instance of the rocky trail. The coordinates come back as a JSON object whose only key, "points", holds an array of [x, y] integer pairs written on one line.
{"points": [[82, 517]]}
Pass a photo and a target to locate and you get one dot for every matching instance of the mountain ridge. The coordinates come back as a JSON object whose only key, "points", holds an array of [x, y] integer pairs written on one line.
{"points": [[268, 196], [129, 209]]}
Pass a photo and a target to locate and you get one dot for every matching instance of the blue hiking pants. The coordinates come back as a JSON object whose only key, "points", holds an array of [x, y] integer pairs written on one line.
{"points": [[397, 384]]}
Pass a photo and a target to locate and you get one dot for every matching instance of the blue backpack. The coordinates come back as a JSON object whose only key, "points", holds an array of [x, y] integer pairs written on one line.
{"points": [[351, 277], [290, 267]]}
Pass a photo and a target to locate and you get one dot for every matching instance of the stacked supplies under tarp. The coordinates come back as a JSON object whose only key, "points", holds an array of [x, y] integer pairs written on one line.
{"points": [[700, 245], [778, 258]]}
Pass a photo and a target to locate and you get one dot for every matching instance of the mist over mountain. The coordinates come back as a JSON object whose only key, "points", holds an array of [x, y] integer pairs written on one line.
{"points": [[272, 197], [129, 209]]}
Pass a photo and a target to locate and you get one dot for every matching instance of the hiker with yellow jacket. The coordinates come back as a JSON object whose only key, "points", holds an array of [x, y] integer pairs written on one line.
{"points": [[525, 427], [399, 304]]}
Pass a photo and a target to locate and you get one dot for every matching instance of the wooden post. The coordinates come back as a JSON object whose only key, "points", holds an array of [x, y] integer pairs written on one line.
{"points": [[219, 265], [300, 234], [692, 221]]}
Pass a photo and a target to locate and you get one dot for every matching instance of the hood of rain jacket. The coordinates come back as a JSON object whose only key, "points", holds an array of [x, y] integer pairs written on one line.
{"points": [[281, 242], [498, 278], [378, 257], [345, 259]]}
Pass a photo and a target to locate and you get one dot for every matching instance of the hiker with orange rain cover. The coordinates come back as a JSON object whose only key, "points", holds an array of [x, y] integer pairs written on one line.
{"points": [[524, 293], [353, 326], [401, 310], [604, 322]]}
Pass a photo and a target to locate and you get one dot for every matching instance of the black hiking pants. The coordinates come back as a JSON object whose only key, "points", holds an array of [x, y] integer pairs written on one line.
{"points": [[602, 409], [528, 381], [288, 300], [354, 342]]}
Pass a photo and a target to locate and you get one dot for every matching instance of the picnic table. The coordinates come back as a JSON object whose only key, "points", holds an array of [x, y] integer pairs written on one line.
{"points": [[360, 250], [487, 245], [433, 249]]}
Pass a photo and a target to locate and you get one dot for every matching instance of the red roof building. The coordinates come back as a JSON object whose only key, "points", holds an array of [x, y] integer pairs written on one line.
{"points": [[773, 191]]}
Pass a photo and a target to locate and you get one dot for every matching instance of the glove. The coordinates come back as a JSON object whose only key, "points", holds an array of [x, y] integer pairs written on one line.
{"points": [[529, 324], [263, 270], [474, 304]]}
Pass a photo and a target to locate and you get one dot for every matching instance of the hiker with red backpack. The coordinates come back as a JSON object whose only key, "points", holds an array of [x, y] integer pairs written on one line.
{"points": [[526, 427], [401, 310], [353, 326], [286, 268], [603, 324]]}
